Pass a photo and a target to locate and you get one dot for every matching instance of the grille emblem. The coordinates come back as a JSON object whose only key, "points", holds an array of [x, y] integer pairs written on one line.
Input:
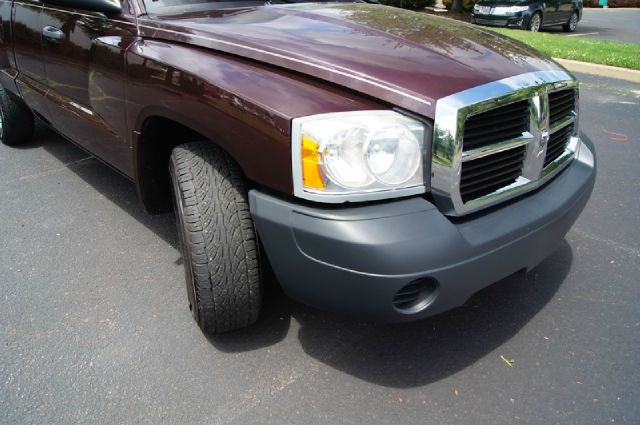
{"points": [[540, 131], [544, 138]]}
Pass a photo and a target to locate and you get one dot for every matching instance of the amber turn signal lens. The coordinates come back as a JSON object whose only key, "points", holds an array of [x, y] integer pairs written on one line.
{"points": [[311, 176]]}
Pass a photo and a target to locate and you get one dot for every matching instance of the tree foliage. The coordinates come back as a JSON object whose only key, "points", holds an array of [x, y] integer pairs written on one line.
{"points": [[456, 6], [408, 4]]}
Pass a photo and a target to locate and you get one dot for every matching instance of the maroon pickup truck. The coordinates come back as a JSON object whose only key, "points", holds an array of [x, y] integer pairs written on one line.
{"points": [[385, 163]]}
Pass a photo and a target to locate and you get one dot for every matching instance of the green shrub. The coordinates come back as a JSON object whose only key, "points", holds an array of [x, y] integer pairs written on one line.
{"points": [[467, 5], [613, 3], [624, 3], [409, 4]]}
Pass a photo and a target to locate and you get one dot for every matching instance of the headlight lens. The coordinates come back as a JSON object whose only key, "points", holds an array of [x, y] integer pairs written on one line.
{"points": [[357, 156], [393, 155], [343, 160], [510, 9]]}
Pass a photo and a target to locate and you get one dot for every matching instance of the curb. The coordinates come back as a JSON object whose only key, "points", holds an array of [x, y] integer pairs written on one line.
{"points": [[601, 70]]}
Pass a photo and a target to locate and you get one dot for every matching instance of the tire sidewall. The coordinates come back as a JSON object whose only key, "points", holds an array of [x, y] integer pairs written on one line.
{"points": [[187, 257], [3, 122], [573, 21], [536, 16]]}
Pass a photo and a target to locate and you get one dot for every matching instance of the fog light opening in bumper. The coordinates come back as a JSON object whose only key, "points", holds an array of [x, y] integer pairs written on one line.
{"points": [[415, 296]]}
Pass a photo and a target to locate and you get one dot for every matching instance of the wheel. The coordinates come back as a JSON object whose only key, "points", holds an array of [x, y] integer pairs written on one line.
{"points": [[16, 120], [217, 236], [572, 24], [535, 22]]}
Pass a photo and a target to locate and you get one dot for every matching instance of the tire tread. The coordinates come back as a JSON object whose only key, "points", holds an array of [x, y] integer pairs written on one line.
{"points": [[17, 120], [221, 237]]}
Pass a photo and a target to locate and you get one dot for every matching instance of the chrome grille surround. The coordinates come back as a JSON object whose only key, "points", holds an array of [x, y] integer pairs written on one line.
{"points": [[449, 154]]}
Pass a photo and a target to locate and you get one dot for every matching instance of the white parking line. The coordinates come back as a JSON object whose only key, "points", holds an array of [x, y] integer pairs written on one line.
{"points": [[580, 35]]}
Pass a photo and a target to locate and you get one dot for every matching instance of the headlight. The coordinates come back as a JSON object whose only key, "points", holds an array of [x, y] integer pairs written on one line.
{"points": [[515, 9], [357, 156], [510, 9]]}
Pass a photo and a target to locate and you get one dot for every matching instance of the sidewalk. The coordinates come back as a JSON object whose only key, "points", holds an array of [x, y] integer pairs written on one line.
{"points": [[601, 70]]}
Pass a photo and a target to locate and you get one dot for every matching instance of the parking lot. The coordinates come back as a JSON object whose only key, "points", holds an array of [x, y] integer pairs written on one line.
{"points": [[95, 328]]}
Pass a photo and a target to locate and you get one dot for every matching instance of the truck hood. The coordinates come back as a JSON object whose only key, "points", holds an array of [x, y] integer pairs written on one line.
{"points": [[403, 58]]}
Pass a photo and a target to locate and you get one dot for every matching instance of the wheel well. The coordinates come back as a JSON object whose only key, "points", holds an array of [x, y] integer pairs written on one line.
{"points": [[158, 137]]}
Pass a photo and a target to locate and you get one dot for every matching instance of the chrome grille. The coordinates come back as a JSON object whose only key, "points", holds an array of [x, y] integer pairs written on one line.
{"points": [[496, 125], [483, 171], [489, 173], [561, 104], [502, 139], [557, 144]]}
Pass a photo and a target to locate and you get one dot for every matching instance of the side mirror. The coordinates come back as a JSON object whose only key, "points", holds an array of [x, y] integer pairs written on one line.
{"points": [[108, 7]]}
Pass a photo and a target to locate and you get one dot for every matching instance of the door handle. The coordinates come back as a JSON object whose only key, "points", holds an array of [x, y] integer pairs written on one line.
{"points": [[53, 33]]}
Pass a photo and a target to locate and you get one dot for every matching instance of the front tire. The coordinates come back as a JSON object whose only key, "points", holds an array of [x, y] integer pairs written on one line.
{"points": [[572, 24], [16, 120], [535, 22], [217, 237]]}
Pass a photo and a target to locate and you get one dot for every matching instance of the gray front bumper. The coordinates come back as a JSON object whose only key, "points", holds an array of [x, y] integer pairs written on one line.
{"points": [[354, 259]]}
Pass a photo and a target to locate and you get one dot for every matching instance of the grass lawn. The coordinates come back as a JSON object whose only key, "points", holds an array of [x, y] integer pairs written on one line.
{"points": [[607, 52]]}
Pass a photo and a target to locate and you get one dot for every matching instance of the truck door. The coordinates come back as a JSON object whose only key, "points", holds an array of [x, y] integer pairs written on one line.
{"points": [[84, 60], [31, 78]]}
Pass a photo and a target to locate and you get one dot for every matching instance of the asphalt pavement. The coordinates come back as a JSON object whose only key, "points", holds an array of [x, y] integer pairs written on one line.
{"points": [[94, 325], [607, 24]]}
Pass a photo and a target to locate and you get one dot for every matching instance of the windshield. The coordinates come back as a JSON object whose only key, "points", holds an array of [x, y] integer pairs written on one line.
{"points": [[176, 7]]}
